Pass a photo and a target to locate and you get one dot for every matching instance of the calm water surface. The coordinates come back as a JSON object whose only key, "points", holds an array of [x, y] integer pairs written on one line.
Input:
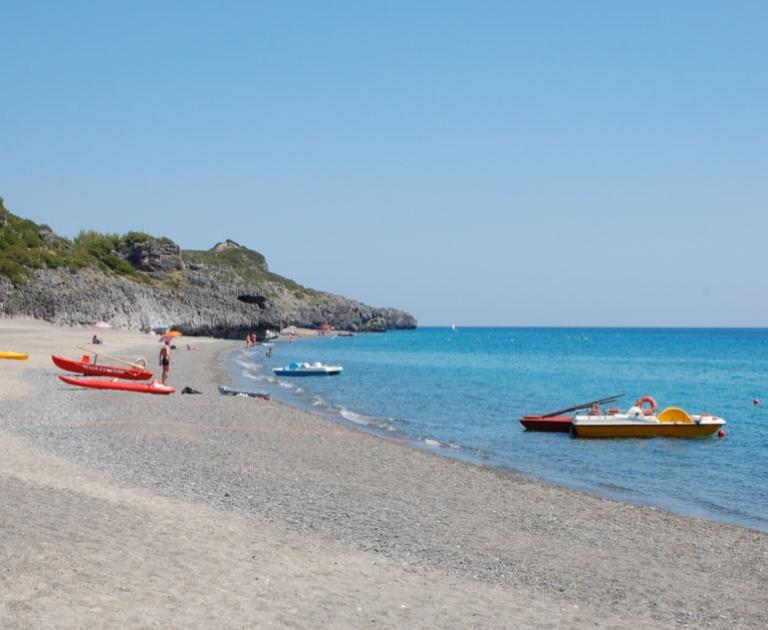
{"points": [[461, 393]]}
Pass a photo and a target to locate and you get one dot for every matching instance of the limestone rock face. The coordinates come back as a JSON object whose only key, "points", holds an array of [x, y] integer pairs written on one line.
{"points": [[206, 301], [46, 233], [158, 259], [143, 282]]}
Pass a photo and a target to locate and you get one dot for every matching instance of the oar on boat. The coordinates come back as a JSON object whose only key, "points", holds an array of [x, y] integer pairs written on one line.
{"points": [[138, 366], [586, 405]]}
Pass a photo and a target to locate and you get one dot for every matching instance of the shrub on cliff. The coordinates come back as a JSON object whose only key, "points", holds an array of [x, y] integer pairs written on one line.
{"points": [[238, 262], [23, 248], [92, 248], [26, 245]]}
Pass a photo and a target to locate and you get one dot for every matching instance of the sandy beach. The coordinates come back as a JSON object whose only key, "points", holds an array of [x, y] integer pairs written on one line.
{"points": [[122, 510]]}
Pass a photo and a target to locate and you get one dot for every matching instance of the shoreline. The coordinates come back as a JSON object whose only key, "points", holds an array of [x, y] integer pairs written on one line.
{"points": [[483, 547], [381, 427]]}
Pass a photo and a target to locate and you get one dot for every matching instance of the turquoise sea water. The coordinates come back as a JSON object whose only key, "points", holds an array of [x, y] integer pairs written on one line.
{"points": [[462, 392]]}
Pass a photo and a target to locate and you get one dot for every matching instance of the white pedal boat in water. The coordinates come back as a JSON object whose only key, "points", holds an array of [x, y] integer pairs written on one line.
{"points": [[307, 369], [641, 421]]}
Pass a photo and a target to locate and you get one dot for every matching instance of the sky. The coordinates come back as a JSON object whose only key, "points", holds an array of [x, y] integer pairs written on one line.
{"points": [[485, 163]]}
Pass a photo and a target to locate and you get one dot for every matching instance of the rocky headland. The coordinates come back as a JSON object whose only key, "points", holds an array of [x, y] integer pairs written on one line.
{"points": [[143, 282]]}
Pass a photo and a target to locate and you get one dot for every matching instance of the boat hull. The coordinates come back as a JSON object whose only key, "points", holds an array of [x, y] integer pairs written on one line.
{"points": [[307, 372], [663, 429], [97, 369], [16, 356], [228, 391], [552, 424], [126, 386]]}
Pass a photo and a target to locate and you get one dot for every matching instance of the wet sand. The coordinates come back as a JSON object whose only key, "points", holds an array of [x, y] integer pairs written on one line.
{"points": [[127, 510]]}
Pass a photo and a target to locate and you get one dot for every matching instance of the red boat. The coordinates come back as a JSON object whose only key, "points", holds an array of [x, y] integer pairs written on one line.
{"points": [[559, 424], [100, 369], [154, 387], [556, 422]]}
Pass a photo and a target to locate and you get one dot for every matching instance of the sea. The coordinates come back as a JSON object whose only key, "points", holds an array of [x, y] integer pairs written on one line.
{"points": [[460, 393]]}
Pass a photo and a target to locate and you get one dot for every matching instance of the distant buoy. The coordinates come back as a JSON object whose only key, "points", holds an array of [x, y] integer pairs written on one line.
{"points": [[756, 401], [721, 434]]}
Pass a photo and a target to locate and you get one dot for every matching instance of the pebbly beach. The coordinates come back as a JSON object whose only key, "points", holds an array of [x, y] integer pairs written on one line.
{"points": [[199, 511]]}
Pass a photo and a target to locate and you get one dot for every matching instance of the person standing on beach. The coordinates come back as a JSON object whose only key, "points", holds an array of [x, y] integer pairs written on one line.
{"points": [[165, 361]]}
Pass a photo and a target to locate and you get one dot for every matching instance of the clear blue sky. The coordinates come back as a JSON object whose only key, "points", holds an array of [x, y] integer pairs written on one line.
{"points": [[518, 163]]}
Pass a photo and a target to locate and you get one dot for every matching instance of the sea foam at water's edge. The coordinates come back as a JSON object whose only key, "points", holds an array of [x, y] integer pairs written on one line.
{"points": [[462, 392], [289, 392]]}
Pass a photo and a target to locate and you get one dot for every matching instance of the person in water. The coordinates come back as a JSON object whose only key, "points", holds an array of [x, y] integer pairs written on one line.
{"points": [[269, 353], [165, 361]]}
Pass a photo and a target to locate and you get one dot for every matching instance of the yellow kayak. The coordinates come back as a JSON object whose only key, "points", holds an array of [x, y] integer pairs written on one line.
{"points": [[20, 356]]}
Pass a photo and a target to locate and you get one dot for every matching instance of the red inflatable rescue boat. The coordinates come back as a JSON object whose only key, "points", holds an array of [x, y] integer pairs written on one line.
{"points": [[154, 387], [100, 369]]}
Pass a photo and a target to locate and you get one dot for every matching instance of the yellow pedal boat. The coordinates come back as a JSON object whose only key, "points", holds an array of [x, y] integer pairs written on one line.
{"points": [[642, 421], [19, 356]]}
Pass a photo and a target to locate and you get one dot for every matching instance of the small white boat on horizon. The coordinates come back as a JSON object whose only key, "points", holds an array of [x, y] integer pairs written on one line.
{"points": [[307, 369]]}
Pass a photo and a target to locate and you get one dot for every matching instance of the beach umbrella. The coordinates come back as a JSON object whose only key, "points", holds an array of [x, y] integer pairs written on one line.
{"points": [[102, 325]]}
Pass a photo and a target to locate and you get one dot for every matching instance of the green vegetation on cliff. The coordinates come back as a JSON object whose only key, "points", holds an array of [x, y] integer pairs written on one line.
{"points": [[26, 246], [248, 265], [94, 249]]}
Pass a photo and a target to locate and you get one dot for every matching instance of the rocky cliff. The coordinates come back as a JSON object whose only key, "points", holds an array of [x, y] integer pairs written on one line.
{"points": [[143, 282]]}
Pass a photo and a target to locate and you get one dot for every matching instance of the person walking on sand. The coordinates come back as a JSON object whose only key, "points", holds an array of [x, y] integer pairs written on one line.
{"points": [[165, 361]]}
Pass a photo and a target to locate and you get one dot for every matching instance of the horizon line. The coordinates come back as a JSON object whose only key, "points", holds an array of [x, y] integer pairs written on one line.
{"points": [[610, 327]]}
